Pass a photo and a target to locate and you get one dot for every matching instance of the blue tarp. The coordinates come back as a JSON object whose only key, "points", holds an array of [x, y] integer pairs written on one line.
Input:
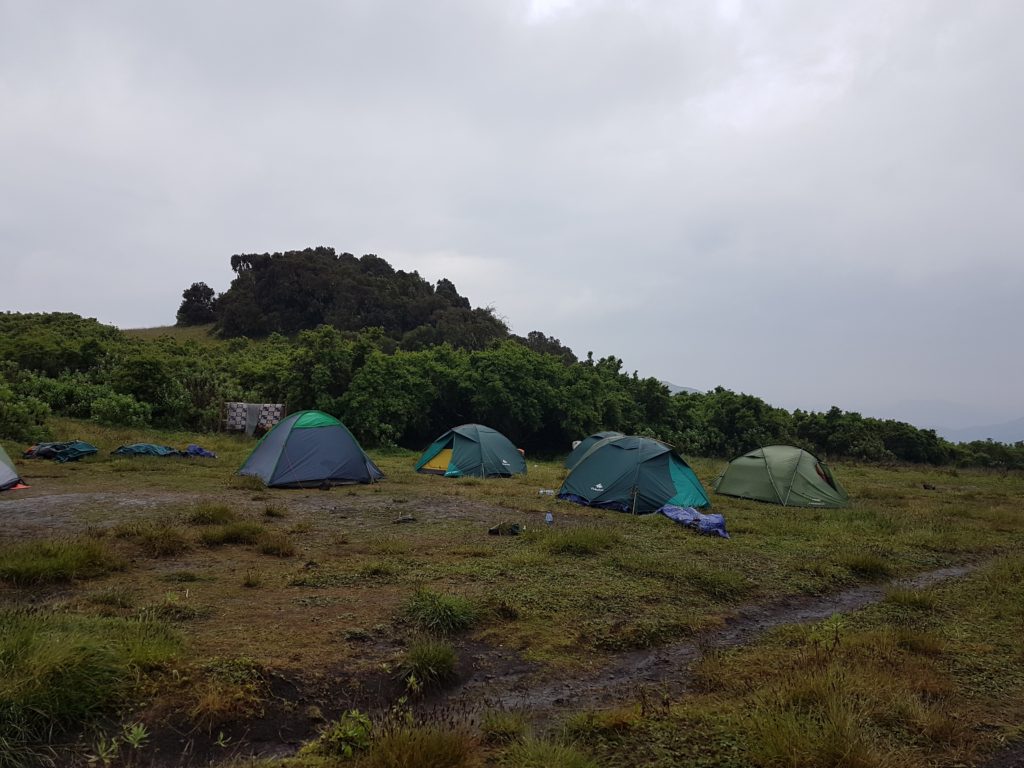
{"points": [[196, 450], [710, 524]]}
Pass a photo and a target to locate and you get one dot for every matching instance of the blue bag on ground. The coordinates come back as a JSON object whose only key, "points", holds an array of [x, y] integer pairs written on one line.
{"points": [[711, 524], [198, 450]]}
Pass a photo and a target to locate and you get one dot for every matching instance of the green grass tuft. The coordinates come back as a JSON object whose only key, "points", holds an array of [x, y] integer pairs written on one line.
{"points": [[64, 672], [346, 737], [212, 514], [441, 614], [53, 562], [580, 542], [276, 543], [234, 533], [423, 746], [539, 753], [721, 586], [274, 510], [163, 540], [428, 664], [867, 565], [246, 483], [500, 726], [915, 599]]}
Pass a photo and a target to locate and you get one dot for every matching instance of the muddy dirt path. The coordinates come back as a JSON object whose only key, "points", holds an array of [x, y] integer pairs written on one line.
{"points": [[664, 669]]}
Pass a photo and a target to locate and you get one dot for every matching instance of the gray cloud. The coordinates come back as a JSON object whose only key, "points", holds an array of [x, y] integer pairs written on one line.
{"points": [[815, 203]]}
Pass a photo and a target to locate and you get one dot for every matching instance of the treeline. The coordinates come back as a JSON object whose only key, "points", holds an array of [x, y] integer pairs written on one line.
{"points": [[67, 365], [299, 290]]}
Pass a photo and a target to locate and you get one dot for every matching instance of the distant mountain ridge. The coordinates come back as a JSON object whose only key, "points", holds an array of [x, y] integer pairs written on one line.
{"points": [[1007, 432], [676, 389]]}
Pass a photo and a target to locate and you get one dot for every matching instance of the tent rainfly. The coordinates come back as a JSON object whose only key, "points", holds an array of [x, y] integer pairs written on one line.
{"points": [[782, 474], [633, 474], [472, 450], [585, 445], [310, 449]]}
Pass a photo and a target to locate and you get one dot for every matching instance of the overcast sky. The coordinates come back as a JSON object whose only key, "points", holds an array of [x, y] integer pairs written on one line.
{"points": [[815, 202]]}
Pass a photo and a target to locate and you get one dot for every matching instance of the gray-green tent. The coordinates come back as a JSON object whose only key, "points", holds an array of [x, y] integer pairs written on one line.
{"points": [[310, 449], [472, 450], [782, 474], [8, 474], [585, 445], [633, 474]]}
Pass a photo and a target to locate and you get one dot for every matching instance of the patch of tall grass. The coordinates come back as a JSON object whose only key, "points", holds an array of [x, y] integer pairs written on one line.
{"points": [[233, 533], [63, 672], [276, 543], [428, 664], [51, 562], [541, 753], [423, 746], [163, 540], [582, 541], [211, 514], [499, 726], [440, 614]]}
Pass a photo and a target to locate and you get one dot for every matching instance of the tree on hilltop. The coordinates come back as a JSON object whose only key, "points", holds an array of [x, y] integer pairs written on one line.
{"points": [[198, 305]]}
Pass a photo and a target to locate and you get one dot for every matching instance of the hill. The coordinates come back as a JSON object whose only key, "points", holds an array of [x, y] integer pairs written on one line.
{"points": [[1008, 432]]}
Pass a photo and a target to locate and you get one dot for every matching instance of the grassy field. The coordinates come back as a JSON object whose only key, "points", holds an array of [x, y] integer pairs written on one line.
{"points": [[201, 617]]}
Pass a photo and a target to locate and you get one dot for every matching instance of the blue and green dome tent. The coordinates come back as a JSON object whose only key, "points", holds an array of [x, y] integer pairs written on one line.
{"points": [[633, 474], [472, 450], [309, 449], [585, 445]]}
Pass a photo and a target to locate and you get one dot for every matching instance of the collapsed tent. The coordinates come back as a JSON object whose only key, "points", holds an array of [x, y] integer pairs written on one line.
{"points": [[310, 449], [8, 474], [72, 450], [782, 474], [472, 450], [585, 445], [633, 474], [146, 449]]}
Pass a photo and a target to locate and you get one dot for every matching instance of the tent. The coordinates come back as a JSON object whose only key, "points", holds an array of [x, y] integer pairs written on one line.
{"points": [[8, 474], [147, 449], [585, 444], [72, 450], [309, 449], [633, 474], [472, 450], [782, 474]]}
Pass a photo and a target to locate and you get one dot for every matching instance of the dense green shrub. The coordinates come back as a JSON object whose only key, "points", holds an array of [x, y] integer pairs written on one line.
{"points": [[120, 410], [400, 361], [22, 418]]}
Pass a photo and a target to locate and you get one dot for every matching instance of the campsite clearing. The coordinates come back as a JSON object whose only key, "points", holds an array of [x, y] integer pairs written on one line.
{"points": [[290, 607]]}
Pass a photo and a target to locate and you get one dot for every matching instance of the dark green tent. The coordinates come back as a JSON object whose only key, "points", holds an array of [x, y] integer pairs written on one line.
{"points": [[8, 474], [585, 445], [633, 474], [309, 449], [472, 450], [782, 474]]}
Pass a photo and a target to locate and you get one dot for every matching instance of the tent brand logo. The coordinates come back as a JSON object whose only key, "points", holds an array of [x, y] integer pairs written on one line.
{"points": [[599, 488], [505, 463]]}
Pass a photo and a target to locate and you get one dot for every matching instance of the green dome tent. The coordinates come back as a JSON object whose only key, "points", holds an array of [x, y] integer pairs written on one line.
{"points": [[8, 474], [309, 449], [585, 445], [472, 450], [633, 474], [782, 474]]}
